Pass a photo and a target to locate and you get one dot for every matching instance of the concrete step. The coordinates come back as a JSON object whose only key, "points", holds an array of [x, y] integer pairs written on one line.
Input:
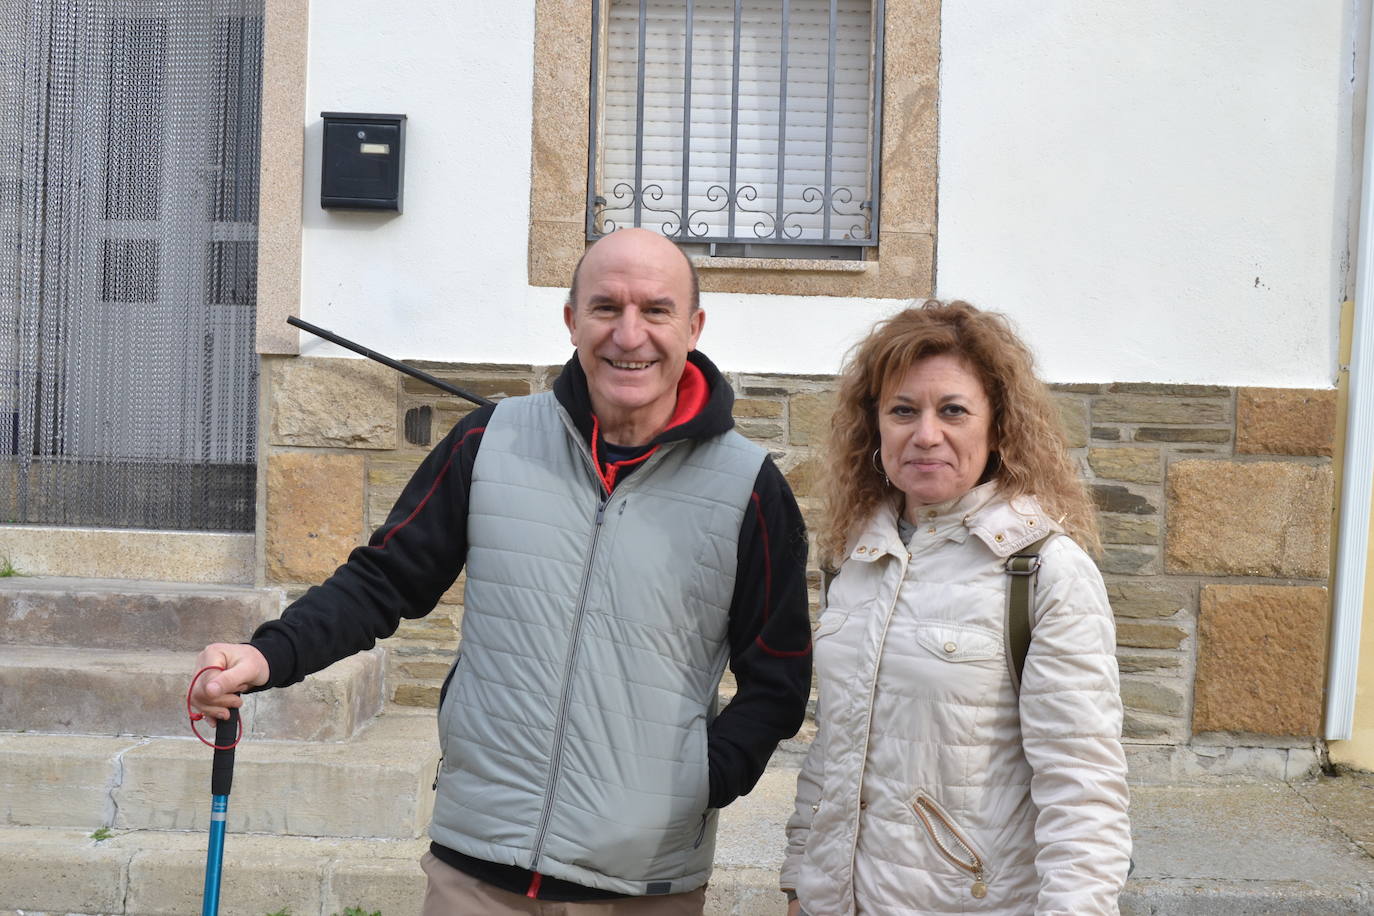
{"points": [[107, 692], [376, 784], [127, 614], [162, 873], [1253, 849]]}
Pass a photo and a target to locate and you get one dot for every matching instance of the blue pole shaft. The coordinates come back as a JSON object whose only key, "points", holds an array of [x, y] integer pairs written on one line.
{"points": [[214, 857], [221, 781]]}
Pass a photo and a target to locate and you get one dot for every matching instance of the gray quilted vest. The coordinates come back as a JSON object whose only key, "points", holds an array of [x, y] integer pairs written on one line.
{"points": [[594, 639]]}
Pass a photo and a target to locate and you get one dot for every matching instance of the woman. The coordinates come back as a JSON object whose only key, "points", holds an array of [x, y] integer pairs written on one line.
{"points": [[933, 784]]}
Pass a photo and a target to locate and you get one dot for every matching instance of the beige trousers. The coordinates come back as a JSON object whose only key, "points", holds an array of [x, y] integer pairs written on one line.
{"points": [[451, 892]]}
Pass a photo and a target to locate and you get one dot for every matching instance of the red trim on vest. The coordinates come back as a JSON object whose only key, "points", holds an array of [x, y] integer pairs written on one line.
{"points": [[533, 892]]}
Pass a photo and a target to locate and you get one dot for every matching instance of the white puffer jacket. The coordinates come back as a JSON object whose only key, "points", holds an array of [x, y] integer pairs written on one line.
{"points": [[926, 790]]}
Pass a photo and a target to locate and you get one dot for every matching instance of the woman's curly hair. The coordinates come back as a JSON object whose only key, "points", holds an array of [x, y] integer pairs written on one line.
{"points": [[1027, 431]]}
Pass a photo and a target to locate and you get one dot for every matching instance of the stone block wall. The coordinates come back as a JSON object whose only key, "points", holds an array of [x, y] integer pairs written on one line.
{"points": [[1215, 505]]}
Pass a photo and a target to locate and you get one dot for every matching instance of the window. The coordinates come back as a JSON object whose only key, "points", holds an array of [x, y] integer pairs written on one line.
{"points": [[750, 126], [568, 126]]}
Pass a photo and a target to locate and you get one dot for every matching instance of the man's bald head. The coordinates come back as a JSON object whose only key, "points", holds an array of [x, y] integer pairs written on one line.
{"points": [[649, 241]]}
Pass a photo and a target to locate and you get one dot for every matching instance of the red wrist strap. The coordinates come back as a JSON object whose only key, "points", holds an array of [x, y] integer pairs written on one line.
{"points": [[196, 717]]}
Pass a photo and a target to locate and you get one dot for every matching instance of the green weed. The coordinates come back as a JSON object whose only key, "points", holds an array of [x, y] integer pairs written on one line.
{"points": [[102, 834], [7, 569], [359, 911]]}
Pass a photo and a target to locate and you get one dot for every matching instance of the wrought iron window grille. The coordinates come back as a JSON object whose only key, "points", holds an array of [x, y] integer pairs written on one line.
{"points": [[673, 149]]}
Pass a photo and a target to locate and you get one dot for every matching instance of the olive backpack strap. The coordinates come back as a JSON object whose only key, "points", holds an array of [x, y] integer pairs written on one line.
{"points": [[1021, 568], [827, 576]]}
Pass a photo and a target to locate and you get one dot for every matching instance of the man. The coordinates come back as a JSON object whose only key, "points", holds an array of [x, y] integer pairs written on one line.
{"points": [[622, 545]]}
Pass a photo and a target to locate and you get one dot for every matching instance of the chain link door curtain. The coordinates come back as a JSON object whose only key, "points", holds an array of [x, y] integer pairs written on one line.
{"points": [[128, 261]]}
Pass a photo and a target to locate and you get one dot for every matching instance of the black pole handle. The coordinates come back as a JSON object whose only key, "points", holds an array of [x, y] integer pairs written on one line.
{"points": [[222, 769], [386, 361]]}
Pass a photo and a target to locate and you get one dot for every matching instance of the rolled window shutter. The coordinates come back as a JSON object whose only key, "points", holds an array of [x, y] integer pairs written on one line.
{"points": [[660, 148]]}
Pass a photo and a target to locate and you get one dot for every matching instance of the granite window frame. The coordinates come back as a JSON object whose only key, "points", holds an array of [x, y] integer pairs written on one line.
{"points": [[900, 266]]}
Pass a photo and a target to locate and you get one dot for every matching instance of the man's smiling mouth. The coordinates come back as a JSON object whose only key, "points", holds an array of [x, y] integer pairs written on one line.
{"points": [[622, 364]]}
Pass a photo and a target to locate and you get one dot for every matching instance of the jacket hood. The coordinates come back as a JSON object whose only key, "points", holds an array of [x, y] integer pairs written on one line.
{"points": [[712, 418]]}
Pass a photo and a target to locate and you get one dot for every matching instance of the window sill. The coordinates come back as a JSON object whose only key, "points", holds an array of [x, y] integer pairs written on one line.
{"points": [[794, 265]]}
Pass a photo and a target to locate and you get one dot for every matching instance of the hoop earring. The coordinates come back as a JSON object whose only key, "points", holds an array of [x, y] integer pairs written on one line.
{"points": [[877, 467]]}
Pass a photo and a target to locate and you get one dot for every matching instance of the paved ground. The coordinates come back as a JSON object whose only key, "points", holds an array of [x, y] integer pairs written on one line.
{"points": [[1218, 850], [1204, 848]]}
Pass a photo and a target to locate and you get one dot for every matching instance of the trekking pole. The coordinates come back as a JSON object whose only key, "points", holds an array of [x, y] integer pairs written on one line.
{"points": [[221, 779], [228, 733], [387, 361]]}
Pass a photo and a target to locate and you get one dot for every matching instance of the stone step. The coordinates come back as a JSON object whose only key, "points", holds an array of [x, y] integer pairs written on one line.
{"points": [[1200, 850], [127, 614], [106, 692], [376, 784], [161, 873]]}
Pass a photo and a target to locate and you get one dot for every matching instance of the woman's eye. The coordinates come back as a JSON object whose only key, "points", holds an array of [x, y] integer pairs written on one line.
{"points": [[954, 410]]}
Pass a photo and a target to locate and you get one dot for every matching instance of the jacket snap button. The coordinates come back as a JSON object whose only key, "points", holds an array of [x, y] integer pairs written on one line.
{"points": [[998, 537], [950, 647], [863, 805], [930, 514], [1031, 522], [931, 529]]}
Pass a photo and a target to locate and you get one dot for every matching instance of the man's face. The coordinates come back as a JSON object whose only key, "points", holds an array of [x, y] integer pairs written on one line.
{"points": [[633, 326]]}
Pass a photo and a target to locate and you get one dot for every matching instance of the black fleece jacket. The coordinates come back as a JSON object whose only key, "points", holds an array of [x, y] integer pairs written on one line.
{"points": [[417, 554]]}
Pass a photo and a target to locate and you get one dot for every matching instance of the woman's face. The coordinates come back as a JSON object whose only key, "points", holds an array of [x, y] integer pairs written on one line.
{"points": [[936, 430]]}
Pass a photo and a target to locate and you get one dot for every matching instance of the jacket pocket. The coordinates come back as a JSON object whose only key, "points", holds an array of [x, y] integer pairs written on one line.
{"points": [[952, 843], [831, 620], [445, 707], [958, 642]]}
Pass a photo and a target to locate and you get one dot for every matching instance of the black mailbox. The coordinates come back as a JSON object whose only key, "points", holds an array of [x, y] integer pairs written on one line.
{"points": [[363, 166]]}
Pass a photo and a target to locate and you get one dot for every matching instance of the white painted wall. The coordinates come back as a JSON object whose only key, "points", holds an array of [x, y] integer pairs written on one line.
{"points": [[1154, 192], [1158, 191]]}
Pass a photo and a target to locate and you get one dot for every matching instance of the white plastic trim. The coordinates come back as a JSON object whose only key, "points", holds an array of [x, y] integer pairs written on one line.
{"points": [[1357, 486]]}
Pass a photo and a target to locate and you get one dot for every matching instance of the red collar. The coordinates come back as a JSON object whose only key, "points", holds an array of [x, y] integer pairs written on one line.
{"points": [[692, 395]]}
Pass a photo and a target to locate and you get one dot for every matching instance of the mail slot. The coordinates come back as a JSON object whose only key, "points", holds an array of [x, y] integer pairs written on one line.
{"points": [[363, 167]]}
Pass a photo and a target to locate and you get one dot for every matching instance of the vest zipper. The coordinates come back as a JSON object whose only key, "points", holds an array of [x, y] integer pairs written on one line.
{"points": [[564, 701]]}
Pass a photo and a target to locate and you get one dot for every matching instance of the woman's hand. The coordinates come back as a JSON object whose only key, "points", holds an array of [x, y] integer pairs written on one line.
{"points": [[794, 908]]}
